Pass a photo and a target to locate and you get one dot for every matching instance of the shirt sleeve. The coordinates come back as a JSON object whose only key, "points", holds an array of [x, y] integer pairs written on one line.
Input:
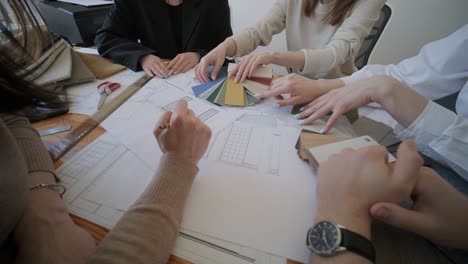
{"points": [[347, 40], [34, 152], [441, 135], [116, 40], [262, 33], [440, 69], [147, 232]]}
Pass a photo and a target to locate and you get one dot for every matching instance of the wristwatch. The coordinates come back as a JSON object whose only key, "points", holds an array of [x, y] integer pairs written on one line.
{"points": [[326, 238]]}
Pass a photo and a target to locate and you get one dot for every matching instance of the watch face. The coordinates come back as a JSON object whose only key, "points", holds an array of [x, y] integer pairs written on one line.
{"points": [[324, 238]]}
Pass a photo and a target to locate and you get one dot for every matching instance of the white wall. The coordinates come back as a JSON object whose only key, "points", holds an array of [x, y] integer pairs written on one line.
{"points": [[416, 22], [413, 23]]}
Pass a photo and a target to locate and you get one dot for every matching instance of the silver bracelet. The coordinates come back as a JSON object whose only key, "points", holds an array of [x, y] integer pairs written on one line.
{"points": [[53, 186]]}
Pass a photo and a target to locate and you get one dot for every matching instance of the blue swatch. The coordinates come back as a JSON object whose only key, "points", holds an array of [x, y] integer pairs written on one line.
{"points": [[199, 89]]}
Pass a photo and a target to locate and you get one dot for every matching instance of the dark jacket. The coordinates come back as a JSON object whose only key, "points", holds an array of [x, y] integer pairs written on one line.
{"points": [[206, 23]]}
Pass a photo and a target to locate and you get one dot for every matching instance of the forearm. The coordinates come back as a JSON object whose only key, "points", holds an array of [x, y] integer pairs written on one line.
{"points": [[460, 214], [401, 102], [148, 230], [123, 51], [330, 84], [46, 233], [40, 200], [290, 59], [33, 150], [230, 46]]}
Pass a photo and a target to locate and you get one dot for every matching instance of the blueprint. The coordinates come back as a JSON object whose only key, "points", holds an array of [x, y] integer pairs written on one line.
{"points": [[98, 190], [253, 199], [97, 178]]}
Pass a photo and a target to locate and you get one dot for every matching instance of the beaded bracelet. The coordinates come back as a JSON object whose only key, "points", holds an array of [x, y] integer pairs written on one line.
{"points": [[53, 186]]}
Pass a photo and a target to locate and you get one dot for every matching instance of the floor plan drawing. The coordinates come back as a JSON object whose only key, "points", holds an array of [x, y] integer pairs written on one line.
{"points": [[252, 148], [87, 177], [171, 106], [252, 141]]}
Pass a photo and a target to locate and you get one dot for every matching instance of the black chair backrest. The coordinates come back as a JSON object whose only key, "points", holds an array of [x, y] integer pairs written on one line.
{"points": [[369, 43], [449, 101]]}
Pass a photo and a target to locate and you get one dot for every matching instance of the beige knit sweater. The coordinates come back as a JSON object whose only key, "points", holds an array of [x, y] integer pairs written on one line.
{"points": [[146, 232], [329, 51]]}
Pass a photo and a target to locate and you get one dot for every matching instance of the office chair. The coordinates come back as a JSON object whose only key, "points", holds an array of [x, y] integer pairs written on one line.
{"points": [[449, 101], [369, 43]]}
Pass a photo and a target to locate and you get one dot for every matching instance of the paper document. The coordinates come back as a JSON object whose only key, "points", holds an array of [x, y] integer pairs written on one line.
{"points": [[87, 177], [251, 190], [89, 2]]}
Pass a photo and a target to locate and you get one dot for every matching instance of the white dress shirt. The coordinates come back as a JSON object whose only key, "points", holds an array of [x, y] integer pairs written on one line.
{"points": [[440, 69]]}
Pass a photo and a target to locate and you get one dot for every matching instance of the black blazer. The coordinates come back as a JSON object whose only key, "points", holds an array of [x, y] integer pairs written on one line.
{"points": [[206, 23]]}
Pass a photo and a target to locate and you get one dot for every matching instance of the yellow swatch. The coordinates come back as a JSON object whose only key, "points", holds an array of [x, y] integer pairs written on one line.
{"points": [[235, 94]]}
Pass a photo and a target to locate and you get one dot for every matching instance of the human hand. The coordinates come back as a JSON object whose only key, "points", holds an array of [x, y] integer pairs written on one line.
{"points": [[439, 212], [338, 101], [301, 89], [401, 102], [183, 62], [154, 66], [187, 136], [216, 58], [350, 182], [46, 233], [249, 64]]}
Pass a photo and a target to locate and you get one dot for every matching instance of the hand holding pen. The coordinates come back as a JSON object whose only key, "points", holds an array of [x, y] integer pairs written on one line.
{"points": [[182, 133]]}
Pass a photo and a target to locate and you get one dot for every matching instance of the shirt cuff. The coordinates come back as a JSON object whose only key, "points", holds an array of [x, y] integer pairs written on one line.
{"points": [[174, 179], [201, 52], [172, 183], [316, 61], [425, 128], [35, 154], [242, 42], [348, 79]]}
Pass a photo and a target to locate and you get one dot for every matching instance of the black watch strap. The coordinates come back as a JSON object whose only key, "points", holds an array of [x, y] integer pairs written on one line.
{"points": [[358, 244]]}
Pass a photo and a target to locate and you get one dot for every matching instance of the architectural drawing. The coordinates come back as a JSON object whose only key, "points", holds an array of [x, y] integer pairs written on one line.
{"points": [[252, 141], [249, 145], [87, 176]]}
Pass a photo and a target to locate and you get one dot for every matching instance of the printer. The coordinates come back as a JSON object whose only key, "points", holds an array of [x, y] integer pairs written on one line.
{"points": [[76, 23]]}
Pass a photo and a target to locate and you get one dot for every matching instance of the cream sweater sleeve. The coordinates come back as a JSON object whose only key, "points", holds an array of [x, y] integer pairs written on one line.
{"points": [[29, 142], [261, 33], [346, 42], [147, 231]]}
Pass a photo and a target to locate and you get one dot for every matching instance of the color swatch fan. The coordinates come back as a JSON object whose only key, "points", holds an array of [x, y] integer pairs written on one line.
{"points": [[224, 91]]}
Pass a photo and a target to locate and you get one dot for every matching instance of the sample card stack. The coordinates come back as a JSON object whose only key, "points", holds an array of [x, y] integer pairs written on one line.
{"points": [[224, 91]]}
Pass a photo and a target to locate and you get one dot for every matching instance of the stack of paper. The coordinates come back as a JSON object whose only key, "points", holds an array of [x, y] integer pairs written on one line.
{"points": [[224, 91]]}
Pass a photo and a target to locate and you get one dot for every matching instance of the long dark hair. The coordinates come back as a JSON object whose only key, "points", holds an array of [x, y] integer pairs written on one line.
{"points": [[336, 16], [23, 37]]}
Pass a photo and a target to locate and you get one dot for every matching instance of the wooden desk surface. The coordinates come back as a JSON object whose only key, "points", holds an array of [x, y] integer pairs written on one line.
{"points": [[96, 231]]}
